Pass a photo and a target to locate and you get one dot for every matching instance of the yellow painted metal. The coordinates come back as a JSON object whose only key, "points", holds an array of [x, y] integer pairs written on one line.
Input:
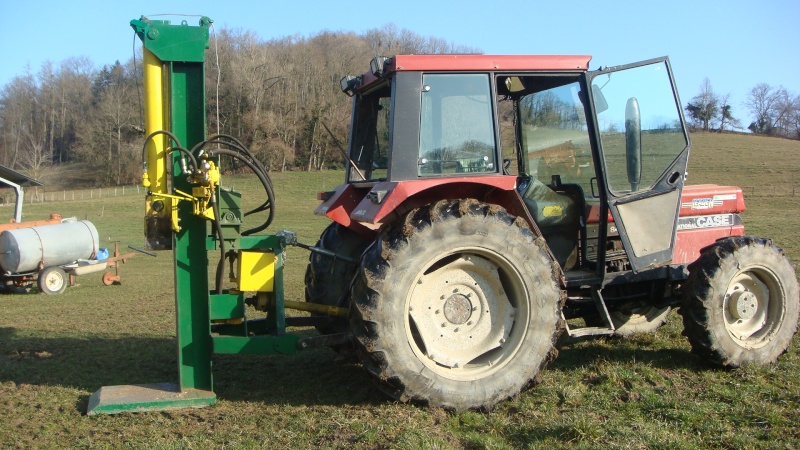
{"points": [[266, 301], [316, 308], [162, 220], [155, 114], [256, 271]]}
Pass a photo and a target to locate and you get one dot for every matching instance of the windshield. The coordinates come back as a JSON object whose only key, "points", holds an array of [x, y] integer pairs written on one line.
{"points": [[370, 139]]}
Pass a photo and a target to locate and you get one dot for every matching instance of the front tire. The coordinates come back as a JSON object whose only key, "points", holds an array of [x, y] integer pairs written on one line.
{"points": [[457, 306], [327, 278], [741, 302]]}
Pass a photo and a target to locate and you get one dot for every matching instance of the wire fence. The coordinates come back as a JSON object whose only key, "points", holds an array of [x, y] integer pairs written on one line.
{"points": [[771, 190], [67, 195]]}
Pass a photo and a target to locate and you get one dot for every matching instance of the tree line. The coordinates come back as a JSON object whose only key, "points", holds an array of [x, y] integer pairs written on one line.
{"points": [[274, 95], [775, 110]]}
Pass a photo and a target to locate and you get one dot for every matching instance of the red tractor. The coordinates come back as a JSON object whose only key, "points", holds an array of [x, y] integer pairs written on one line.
{"points": [[492, 202]]}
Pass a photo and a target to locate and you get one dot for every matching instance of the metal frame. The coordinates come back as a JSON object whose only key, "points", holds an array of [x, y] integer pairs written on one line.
{"points": [[174, 80]]}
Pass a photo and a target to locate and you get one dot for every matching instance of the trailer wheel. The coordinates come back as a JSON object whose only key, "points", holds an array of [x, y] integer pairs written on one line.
{"points": [[741, 302], [456, 306], [52, 280], [328, 279]]}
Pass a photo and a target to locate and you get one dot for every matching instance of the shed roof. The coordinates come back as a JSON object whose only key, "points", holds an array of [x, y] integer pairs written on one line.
{"points": [[15, 177]]}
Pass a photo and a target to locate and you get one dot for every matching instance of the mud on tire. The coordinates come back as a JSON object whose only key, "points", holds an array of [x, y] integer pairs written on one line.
{"points": [[327, 279], [740, 302], [457, 306]]}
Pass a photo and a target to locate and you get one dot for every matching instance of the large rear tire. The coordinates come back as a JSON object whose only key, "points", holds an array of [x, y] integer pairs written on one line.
{"points": [[456, 306], [741, 302], [327, 278]]}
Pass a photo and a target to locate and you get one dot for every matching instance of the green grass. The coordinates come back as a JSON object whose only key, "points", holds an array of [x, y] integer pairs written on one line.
{"points": [[643, 392]]}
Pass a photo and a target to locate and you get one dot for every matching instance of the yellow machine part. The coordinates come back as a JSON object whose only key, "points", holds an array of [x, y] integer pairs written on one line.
{"points": [[156, 117], [256, 271]]}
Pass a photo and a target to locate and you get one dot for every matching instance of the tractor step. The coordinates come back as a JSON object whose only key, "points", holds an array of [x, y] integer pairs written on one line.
{"points": [[606, 330], [590, 331]]}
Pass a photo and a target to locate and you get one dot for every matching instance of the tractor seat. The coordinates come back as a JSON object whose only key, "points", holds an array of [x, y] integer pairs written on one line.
{"points": [[557, 213]]}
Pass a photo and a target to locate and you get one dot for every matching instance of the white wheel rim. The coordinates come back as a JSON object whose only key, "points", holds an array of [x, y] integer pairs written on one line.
{"points": [[54, 281], [467, 313], [753, 307]]}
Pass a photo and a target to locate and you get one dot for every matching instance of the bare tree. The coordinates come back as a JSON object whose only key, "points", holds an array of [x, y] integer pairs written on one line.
{"points": [[726, 114], [761, 101], [274, 95], [704, 107]]}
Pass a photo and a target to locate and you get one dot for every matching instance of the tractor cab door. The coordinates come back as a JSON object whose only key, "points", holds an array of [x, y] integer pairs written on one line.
{"points": [[644, 148]]}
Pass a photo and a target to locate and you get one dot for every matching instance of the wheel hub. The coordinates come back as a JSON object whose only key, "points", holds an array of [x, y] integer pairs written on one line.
{"points": [[457, 309], [743, 305], [461, 312]]}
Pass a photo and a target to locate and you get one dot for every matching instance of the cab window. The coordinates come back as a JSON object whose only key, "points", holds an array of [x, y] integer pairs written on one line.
{"points": [[456, 125]]}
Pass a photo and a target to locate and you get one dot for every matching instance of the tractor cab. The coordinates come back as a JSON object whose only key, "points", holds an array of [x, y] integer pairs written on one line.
{"points": [[593, 160]]}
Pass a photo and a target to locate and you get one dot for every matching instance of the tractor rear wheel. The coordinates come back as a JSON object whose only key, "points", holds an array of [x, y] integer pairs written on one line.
{"points": [[741, 302], [456, 306], [327, 278]]}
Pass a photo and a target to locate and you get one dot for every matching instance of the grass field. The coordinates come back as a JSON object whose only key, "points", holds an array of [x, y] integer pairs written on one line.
{"points": [[642, 392]]}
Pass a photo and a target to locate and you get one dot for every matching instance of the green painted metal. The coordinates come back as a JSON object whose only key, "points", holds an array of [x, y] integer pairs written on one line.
{"points": [[255, 345], [174, 42], [147, 397], [226, 306], [188, 118], [182, 48]]}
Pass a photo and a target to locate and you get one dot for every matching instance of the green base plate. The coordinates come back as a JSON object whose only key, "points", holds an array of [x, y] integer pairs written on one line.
{"points": [[147, 397]]}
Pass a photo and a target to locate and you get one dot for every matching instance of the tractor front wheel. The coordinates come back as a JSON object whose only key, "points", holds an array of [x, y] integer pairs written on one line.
{"points": [[456, 306], [328, 278], [741, 302]]}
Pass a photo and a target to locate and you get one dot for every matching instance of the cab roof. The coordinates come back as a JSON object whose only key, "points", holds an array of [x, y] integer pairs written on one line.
{"points": [[478, 63], [488, 62]]}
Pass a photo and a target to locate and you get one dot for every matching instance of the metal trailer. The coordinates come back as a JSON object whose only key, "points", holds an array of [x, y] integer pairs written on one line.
{"points": [[49, 261]]}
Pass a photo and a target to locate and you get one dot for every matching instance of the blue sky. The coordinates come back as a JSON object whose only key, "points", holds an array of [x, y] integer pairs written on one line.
{"points": [[736, 44]]}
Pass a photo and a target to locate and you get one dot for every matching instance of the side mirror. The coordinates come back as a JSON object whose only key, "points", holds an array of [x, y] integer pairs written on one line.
{"points": [[600, 103], [633, 143]]}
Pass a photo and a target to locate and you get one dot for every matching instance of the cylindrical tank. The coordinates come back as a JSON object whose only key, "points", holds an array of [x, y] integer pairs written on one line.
{"points": [[22, 250]]}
